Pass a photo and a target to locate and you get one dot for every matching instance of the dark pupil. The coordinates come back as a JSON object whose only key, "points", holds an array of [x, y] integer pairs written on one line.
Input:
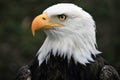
{"points": [[62, 16]]}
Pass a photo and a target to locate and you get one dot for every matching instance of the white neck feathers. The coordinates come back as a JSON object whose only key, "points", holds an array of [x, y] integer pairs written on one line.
{"points": [[79, 44]]}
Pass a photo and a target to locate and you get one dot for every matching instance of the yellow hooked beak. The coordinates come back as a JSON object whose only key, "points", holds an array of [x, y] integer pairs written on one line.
{"points": [[42, 21]]}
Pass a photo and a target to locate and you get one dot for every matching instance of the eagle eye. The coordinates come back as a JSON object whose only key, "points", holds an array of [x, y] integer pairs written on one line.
{"points": [[62, 17]]}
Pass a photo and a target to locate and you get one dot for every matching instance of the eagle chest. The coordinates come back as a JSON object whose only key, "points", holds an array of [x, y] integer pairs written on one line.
{"points": [[59, 68]]}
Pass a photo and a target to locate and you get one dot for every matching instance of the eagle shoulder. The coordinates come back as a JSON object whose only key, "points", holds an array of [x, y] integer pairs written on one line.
{"points": [[109, 73]]}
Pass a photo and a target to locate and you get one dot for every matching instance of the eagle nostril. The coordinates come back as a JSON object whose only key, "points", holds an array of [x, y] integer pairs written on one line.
{"points": [[43, 18]]}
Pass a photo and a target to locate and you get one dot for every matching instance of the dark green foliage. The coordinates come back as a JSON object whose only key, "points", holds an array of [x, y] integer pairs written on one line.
{"points": [[18, 46]]}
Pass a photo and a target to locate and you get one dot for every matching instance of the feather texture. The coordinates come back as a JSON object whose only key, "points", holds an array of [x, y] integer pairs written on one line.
{"points": [[76, 38]]}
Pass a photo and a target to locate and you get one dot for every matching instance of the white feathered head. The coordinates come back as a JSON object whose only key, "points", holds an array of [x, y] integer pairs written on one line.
{"points": [[70, 33]]}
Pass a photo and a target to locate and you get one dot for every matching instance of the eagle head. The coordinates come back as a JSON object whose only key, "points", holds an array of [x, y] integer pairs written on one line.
{"points": [[70, 33]]}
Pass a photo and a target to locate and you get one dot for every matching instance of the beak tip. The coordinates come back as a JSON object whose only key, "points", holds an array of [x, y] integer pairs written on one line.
{"points": [[33, 33]]}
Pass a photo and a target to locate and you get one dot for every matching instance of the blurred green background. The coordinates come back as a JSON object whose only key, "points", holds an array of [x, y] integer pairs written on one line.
{"points": [[18, 47]]}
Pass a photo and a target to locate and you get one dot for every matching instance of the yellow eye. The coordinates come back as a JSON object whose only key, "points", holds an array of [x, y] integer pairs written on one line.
{"points": [[62, 17]]}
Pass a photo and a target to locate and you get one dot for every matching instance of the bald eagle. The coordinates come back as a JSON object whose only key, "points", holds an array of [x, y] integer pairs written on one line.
{"points": [[69, 51]]}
